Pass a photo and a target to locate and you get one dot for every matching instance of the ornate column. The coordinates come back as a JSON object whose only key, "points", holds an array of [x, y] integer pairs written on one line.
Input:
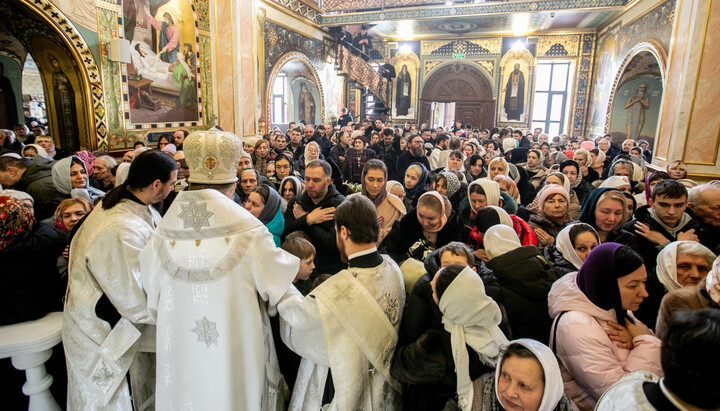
{"points": [[689, 128]]}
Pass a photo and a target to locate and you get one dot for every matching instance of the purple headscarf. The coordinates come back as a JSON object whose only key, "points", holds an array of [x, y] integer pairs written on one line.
{"points": [[597, 279]]}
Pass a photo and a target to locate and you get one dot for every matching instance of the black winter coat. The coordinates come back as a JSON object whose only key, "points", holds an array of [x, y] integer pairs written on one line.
{"points": [[31, 285], [327, 256], [38, 182], [525, 278], [559, 264], [406, 239]]}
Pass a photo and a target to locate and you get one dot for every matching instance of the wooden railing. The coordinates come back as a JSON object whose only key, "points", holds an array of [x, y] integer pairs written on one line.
{"points": [[361, 71]]}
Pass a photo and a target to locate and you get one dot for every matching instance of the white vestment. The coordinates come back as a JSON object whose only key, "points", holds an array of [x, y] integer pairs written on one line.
{"points": [[210, 270], [104, 260], [348, 324]]}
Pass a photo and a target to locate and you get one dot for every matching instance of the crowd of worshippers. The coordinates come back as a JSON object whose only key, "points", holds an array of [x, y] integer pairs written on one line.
{"points": [[534, 273]]}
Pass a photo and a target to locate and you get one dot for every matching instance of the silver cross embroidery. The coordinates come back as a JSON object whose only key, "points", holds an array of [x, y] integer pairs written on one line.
{"points": [[206, 331], [195, 215], [103, 377], [344, 292]]}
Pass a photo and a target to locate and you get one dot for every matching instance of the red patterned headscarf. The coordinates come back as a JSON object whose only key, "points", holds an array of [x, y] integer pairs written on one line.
{"points": [[15, 220], [88, 158]]}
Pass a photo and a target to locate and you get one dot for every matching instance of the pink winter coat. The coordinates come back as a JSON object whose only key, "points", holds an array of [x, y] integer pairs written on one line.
{"points": [[589, 361]]}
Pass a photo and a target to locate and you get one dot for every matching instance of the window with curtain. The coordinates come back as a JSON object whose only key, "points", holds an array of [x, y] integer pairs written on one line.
{"points": [[550, 108]]}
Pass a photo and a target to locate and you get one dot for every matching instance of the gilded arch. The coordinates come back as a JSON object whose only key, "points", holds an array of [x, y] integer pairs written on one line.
{"points": [[284, 59]]}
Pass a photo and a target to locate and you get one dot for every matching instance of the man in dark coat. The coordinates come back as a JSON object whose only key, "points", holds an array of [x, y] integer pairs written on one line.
{"points": [[386, 152], [312, 212], [35, 178], [704, 207], [415, 154]]}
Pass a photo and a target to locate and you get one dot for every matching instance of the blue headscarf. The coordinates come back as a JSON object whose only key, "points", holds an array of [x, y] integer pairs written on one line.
{"points": [[415, 192], [587, 212]]}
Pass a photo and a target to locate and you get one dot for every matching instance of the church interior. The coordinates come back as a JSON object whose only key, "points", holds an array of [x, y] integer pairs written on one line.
{"points": [[252, 65]]}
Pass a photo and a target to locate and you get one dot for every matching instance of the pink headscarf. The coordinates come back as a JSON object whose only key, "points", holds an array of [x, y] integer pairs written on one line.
{"points": [[587, 145], [88, 158], [443, 216]]}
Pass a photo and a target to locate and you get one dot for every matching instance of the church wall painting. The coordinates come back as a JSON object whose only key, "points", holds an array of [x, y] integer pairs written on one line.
{"points": [[636, 103], [613, 46], [515, 91], [306, 98], [405, 86]]}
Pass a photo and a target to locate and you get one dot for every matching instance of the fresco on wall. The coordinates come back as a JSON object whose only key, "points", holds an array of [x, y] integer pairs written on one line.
{"points": [[636, 104], [614, 44], [515, 80], [280, 40], [306, 97], [162, 76]]}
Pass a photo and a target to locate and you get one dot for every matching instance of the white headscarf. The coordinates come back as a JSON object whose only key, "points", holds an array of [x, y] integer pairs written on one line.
{"points": [[712, 282], [472, 318], [122, 172], [553, 392], [667, 261], [615, 182], [508, 144], [491, 189], [500, 239], [565, 246]]}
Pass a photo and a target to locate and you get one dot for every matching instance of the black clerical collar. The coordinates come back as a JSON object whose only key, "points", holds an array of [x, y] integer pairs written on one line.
{"points": [[656, 397], [365, 259], [131, 196]]}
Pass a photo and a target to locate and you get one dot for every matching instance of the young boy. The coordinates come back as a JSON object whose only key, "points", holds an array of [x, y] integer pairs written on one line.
{"points": [[303, 249]]}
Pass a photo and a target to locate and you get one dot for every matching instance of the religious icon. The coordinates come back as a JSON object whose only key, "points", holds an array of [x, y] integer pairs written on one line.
{"points": [[635, 107], [403, 87], [168, 33], [306, 106], [515, 94], [64, 98]]}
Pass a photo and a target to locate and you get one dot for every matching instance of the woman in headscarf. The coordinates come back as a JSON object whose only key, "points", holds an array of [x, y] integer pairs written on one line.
{"points": [[455, 162], [492, 215], [527, 377], [706, 294], [447, 184], [562, 180], [264, 203], [48, 144], [31, 285], [88, 158], [290, 186], [421, 231], [534, 167], [480, 193], [507, 185], [249, 144], [555, 159], [374, 186], [571, 248], [70, 178], [414, 183], [597, 163], [595, 335], [355, 159], [68, 214], [248, 179], [584, 160], [500, 166], [525, 279], [122, 172], [395, 187], [261, 156], [605, 210], [32, 150], [552, 215]]}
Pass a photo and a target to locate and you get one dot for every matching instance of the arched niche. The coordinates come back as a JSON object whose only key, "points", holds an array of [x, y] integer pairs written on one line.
{"points": [[294, 77], [465, 85], [76, 115], [636, 94]]}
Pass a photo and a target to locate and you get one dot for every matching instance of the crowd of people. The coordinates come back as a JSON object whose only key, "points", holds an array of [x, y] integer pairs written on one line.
{"points": [[365, 266]]}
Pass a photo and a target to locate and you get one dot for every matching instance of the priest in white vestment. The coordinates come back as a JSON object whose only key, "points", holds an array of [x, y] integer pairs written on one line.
{"points": [[107, 329], [211, 272], [349, 323]]}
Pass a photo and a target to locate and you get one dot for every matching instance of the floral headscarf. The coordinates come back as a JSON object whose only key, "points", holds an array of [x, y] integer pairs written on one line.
{"points": [[15, 220], [88, 158]]}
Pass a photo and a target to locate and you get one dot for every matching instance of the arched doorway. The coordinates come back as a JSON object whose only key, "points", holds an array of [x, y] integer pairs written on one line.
{"points": [[69, 77], [464, 85], [294, 92]]}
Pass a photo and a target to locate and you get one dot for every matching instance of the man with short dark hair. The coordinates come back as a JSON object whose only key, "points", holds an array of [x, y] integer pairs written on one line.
{"points": [[426, 135], [179, 138], [337, 153], [280, 144], [345, 118], [34, 176], [312, 211], [348, 323], [415, 153], [439, 154], [296, 146], [326, 139], [656, 225], [386, 151]]}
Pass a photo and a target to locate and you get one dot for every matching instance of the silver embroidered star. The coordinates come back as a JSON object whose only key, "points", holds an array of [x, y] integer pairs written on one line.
{"points": [[195, 215], [206, 331]]}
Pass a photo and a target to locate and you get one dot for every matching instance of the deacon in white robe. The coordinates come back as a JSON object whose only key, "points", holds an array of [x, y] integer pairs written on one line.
{"points": [[349, 323], [210, 271], [107, 328]]}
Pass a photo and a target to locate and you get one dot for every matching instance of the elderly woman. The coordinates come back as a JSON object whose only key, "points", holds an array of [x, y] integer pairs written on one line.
{"points": [[248, 179], [263, 203], [705, 294], [421, 231], [595, 335], [70, 178], [31, 285], [374, 186], [552, 215], [562, 180], [679, 264], [571, 248], [312, 152], [525, 279], [606, 211], [527, 377], [395, 187], [455, 163], [48, 144], [480, 193], [534, 167]]}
